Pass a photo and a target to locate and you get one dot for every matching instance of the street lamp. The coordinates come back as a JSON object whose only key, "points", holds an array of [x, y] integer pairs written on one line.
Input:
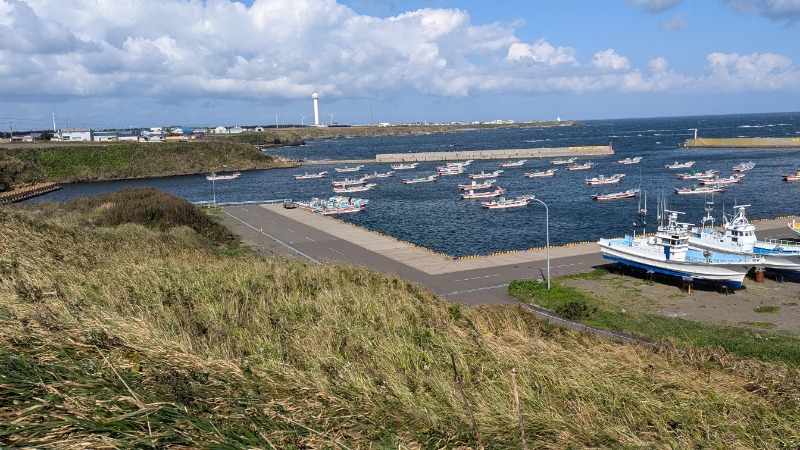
{"points": [[547, 234]]}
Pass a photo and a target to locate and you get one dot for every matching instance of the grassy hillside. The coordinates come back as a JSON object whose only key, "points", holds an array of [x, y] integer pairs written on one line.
{"points": [[90, 162], [130, 320]]}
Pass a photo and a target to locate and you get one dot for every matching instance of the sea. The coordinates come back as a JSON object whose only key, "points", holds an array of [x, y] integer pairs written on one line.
{"points": [[433, 216]]}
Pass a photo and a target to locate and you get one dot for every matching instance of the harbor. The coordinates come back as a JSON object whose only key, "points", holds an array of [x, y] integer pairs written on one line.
{"points": [[755, 142]]}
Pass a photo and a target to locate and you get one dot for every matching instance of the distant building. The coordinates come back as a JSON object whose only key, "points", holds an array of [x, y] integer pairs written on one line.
{"points": [[236, 130], [75, 134], [131, 135], [104, 136], [220, 130]]}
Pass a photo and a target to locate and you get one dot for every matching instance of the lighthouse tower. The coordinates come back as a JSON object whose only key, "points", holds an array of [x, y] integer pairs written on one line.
{"points": [[315, 96]]}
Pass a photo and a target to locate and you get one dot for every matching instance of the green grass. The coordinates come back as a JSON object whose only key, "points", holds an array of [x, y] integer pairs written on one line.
{"points": [[767, 309]]}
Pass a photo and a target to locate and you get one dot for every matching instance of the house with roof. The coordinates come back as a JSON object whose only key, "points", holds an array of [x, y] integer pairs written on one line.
{"points": [[104, 136], [130, 135], [75, 134]]}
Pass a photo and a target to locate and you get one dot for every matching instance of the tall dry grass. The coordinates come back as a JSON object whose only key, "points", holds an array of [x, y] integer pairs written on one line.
{"points": [[309, 355]]}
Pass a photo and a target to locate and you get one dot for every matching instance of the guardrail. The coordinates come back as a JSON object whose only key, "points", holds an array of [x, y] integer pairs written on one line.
{"points": [[250, 202]]}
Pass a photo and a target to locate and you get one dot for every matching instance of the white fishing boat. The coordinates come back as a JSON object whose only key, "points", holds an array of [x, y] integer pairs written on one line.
{"points": [[585, 166], [354, 188], [505, 203], [735, 178], [478, 185], [630, 193], [627, 161], [471, 194], [738, 235], [380, 175], [519, 163], [541, 173], [677, 165], [348, 168], [669, 253], [795, 177], [308, 176], [563, 161], [744, 166], [460, 163], [602, 179], [450, 170], [693, 174], [420, 179], [482, 175], [333, 205], [404, 166], [695, 189], [349, 181], [214, 177]]}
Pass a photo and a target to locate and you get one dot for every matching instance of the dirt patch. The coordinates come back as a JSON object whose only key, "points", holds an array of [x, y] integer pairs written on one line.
{"points": [[773, 305]]}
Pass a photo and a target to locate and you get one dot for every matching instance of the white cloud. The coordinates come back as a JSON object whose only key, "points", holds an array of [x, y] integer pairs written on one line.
{"points": [[609, 59], [778, 10], [541, 52], [676, 23], [655, 6], [754, 72]]}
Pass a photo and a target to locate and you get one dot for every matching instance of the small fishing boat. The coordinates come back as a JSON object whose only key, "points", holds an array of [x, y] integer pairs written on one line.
{"points": [[584, 166], [450, 170], [744, 166], [630, 193], [795, 177], [471, 194], [460, 163], [541, 173], [677, 165], [404, 166], [735, 178], [693, 174], [353, 188], [419, 179], [476, 185], [349, 169], [627, 161], [214, 177], [563, 161], [505, 203], [333, 205], [349, 181], [695, 189], [602, 179], [380, 175], [308, 176], [482, 175], [519, 163]]}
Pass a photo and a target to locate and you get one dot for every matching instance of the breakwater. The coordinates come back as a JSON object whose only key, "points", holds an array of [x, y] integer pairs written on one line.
{"points": [[547, 152], [26, 192], [757, 142]]}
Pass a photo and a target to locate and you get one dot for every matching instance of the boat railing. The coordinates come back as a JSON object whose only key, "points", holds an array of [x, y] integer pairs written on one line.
{"points": [[720, 258], [781, 242]]}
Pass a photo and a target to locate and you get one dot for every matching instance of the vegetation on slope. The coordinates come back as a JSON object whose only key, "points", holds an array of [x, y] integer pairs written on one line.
{"points": [[90, 162], [137, 334]]}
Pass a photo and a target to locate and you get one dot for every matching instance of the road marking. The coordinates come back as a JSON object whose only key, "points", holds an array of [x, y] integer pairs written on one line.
{"points": [[309, 239], [257, 214], [337, 251], [477, 278], [290, 230], [273, 238], [476, 290]]}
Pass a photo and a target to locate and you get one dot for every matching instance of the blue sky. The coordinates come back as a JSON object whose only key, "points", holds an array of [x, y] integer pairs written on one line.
{"points": [[115, 63]]}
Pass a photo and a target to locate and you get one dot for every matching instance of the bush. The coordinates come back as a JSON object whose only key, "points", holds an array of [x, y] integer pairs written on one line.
{"points": [[575, 310]]}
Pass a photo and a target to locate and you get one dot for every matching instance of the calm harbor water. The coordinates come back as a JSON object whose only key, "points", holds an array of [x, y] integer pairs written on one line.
{"points": [[433, 216]]}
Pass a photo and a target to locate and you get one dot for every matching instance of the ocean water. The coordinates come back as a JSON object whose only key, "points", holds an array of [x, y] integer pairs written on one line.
{"points": [[433, 216]]}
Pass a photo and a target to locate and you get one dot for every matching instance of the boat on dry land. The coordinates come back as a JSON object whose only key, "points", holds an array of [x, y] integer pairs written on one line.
{"points": [[333, 205]]}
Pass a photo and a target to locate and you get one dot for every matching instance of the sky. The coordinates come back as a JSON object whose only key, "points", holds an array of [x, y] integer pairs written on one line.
{"points": [[201, 63]]}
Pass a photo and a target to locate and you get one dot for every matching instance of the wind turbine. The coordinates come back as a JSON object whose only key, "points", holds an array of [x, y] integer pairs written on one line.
{"points": [[302, 118], [331, 119]]}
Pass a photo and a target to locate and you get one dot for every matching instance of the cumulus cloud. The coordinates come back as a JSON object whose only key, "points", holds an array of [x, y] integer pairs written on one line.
{"points": [[609, 59], [655, 6], [759, 72], [541, 52], [676, 23]]}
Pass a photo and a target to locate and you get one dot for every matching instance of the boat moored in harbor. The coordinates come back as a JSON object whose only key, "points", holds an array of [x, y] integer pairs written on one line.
{"points": [[602, 179], [795, 177], [471, 194], [563, 161], [349, 181], [476, 185], [585, 166], [482, 175], [308, 176], [744, 166], [380, 175], [677, 165], [695, 189], [541, 173], [628, 161], [630, 193], [735, 178], [349, 169], [354, 188], [419, 179], [505, 203], [693, 174], [214, 177], [519, 163], [404, 166]]}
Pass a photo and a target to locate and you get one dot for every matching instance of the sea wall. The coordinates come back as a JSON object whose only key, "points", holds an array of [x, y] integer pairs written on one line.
{"points": [[742, 143], [517, 153]]}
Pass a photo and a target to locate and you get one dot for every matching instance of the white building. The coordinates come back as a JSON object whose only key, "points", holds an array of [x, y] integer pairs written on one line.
{"points": [[75, 134]]}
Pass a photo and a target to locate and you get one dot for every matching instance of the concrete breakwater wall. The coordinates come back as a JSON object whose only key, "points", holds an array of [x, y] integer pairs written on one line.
{"points": [[743, 143], [516, 153]]}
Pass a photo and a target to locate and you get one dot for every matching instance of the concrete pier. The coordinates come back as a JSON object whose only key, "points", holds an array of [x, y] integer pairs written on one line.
{"points": [[515, 153], [791, 143]]}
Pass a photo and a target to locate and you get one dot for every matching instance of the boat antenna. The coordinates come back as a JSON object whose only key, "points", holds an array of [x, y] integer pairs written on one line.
{"points": [[641, 214], [710, 207]]}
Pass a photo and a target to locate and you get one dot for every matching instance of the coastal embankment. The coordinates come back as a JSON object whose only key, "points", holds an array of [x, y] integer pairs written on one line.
{"points": [[757, 142]]}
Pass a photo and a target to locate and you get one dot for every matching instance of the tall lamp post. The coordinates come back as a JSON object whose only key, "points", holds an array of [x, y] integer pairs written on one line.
{"points": [[547, 234]]}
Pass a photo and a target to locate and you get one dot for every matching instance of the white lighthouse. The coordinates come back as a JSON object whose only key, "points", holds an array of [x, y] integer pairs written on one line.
{"points": [[315, 96]]}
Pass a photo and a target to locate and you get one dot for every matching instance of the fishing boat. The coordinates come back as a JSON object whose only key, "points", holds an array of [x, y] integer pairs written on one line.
{"points": [[450, 170], [482, 175], [541, 173], [519, 163], [563, 161], [460, 163], [693, 174], [349, 169], [738, 235], [744, 166], [419, 179], [353, 188], [630, 193], [627, 161], [214, 177], [333, 205], [602, 179], [695, 189], [735, 178], [476, 185], [668, 252], [308, 176], [404, 166], [380, 175], [795, 177], [584, 166], [677, 165], [349, 181], [505, 203], [471, 194]]}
